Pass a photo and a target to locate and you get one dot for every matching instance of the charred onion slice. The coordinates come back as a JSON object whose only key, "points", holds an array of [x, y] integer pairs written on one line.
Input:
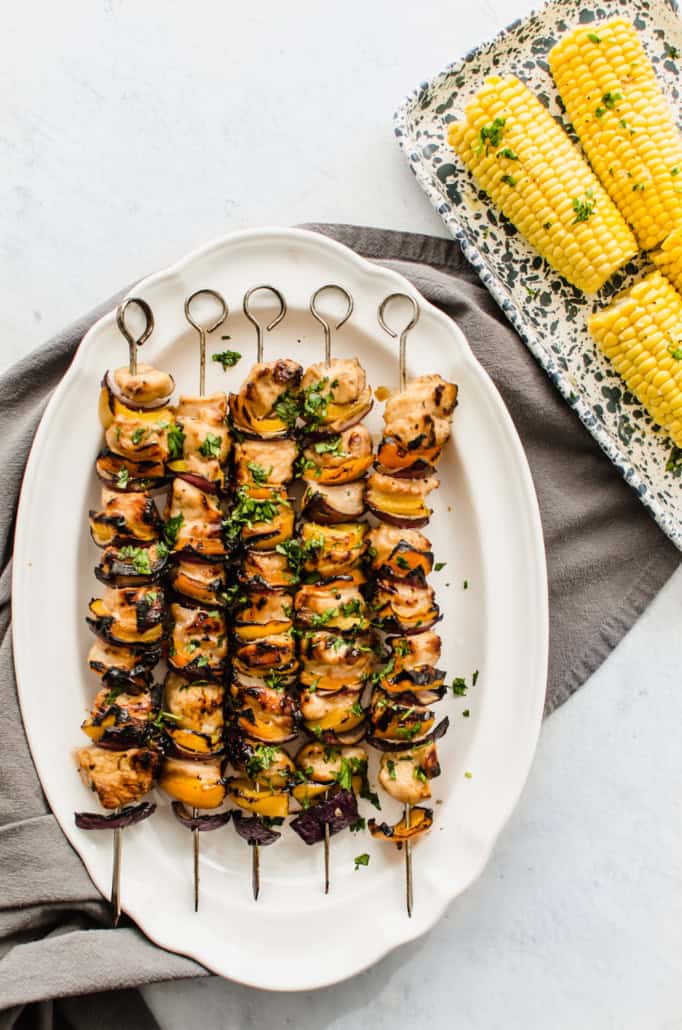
{"points": [[267, 613], [264, 462], [421, 821], [123, 667], [119, 719], [117, 820], [341, 607], [276, 652], [269, 428], [129, 476], [198, 642], [118, 777], [266, 569], [197, 521], [338, 459], [128, 617], [265, 713], [256, 798], [254, 831], [195, 784], [329, 504], [148, 389], [125, 518], [203, 823], [346, 739], [332, 550], [400, 502], [402, 553], [392, 719], [199, 581], [393, 745], [129, 565], [403, 607], [337, 813], [197, 710]]}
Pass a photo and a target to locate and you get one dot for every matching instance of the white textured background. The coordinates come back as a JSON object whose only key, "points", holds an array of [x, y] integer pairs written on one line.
{"points": [[133, 131]]}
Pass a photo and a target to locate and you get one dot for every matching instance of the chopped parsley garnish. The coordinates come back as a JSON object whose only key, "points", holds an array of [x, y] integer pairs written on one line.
{"points": [[171, 528], [288, 408], [361, 860], [330, 446], [248, 511], [358, 825], [262, 758], [508, 153], [638, 186], [468, 774], [419, 774], [202, 661], [227, 358], [163, 718], [370, 795], [211, 447], [296, 553], [113, 694], [583, 207], [390, 765], [439, 565], [609, 100], [465, 584], [474, 678], [315, 402], [675, 171], [323, 618], [344, 777], [138, 436], [491, 135], [139, 557], [509, 180], [176, 441], [357, 709], [546, 225], [459, 686], [122, 478], [401, 562], [259, 474], [233, 596], [593, 37], [275, 680]]}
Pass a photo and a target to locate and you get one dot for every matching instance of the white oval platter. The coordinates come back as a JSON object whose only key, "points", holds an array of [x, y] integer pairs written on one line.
{"points": [[485, 528]]}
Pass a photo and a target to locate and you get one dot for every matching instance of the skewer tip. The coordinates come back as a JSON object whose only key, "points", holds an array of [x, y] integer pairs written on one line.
{"points": [[327, 876], [255, 871]]}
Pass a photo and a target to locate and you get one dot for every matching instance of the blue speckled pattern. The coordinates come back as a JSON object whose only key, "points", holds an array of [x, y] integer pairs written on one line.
{"points": [[550, 315]]}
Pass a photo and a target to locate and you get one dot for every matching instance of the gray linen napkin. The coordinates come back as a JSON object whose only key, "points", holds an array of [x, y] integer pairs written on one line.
{"points": [[606, 558]]}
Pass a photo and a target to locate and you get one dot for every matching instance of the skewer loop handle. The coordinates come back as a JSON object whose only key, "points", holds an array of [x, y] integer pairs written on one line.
{"points": [[403, 332], [323, 321], [254, 321], [134, 343], [204, 329]]}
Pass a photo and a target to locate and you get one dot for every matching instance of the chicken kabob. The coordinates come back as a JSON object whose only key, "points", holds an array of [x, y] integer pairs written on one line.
{"points": [[192, 716], [122, 763], [416, 427], [263, 705], [330, 609]]}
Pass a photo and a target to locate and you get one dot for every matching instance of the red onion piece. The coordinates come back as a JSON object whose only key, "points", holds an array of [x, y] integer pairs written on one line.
{"points": [[203, 823], [336, 812], [404, 745], [117, 820], [113, 388], [253, 830], [205, 485]]}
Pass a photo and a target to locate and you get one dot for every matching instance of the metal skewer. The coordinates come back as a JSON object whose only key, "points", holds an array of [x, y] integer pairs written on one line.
{"points": [[327, 360], [324, 323], [133, 343], [403, 333], [204, 329], [254, 321]]}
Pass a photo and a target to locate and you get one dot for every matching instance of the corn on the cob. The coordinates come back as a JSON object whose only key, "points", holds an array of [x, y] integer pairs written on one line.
{"points": [[526, 163], [668, 258], [624, 123], [641, 332]]}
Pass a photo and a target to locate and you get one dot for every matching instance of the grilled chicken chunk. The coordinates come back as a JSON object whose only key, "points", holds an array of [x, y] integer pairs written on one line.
{"points": [[333, 550], [129, 615], [421, 413], [124, 518], [354, 443], [325, 764], [145, 386], [139, 435], [263, 462], [341, 607], [200, 520], [118, 777], [266, 382], [344, 379], [265, 568], [200, 581], [196, 705], [384, 539], [405, 775], [198, 642], [206, 439]]}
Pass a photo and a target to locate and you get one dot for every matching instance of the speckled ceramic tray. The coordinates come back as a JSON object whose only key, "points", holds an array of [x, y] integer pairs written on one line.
{"points": [[550, 315]]}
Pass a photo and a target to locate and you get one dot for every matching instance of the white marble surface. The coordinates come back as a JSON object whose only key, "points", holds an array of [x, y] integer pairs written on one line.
{"points": [[129, 132]]}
